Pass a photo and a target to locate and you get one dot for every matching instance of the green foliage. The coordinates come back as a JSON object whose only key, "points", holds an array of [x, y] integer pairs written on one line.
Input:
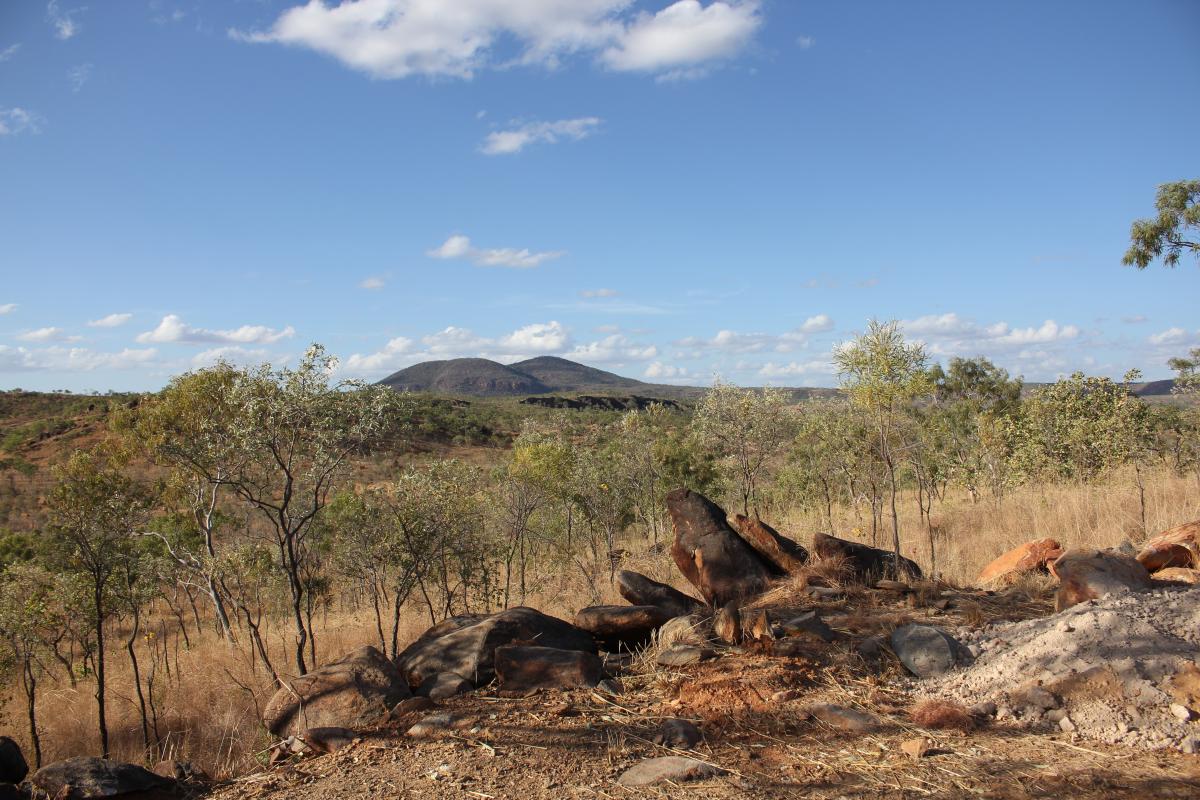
{"points": [[1170, 234]]}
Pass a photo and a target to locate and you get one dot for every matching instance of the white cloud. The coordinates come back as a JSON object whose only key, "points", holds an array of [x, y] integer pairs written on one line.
{"points": [[173, 329], [231, 354], [64, 23], [373, 283], [1169, 336], [818, 324], [517, 139], [7, 308], [401, 38], [397, 353], [9, 51], [78, 76], [794, 369], [19, 120], [70, 359], [728, 341], [805, 42], [47, 335], [950, 334], [612, 349], [684, 35], [540, 337], [668, 373], [459, 246], [594, 293], [111, 321]]}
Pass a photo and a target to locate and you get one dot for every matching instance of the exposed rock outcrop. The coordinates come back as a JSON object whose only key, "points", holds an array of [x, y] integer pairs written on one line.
{"points": [[1029, 557], [93, 778], [622, 627], [780, 552], [642, 591], [710, 554], [522, 669], [863, 562], [1175, 547], [1092, 574]]}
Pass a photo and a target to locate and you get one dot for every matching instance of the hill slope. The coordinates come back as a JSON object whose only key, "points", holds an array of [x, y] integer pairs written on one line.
{"points": [[482, 377]]}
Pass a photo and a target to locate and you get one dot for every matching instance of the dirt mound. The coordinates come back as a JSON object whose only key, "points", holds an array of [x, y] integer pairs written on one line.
{"points": [[1105, 668]]}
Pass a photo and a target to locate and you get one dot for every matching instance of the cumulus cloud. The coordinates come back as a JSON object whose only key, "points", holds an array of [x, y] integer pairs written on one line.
{"points": [[71, 359], [669, 373], [230, 354], [539, 338], [9, 51], [514, 140], [1169, 336], [7, 308], [395, 354], [613, 349], [728, 341], [110, 321], [401, 38], [47, 335], [174, 330], [682, 36], [63, 21], [950, 334], [373, 283], [459, 246], [598, 293], [794, 369], [19, 120]]}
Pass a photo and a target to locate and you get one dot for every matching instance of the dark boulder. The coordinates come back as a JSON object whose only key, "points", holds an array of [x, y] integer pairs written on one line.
{"points": [[781, 553], [444, 685], [622, 627], [709, 554], [863, 562], [354, 691], [642, 591], [93, 778], [926, 651], [469, 651], [522, 669], [13, 767]]}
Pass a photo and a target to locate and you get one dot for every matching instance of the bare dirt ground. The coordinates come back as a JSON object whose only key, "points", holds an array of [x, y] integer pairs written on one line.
{"points": [[576, 744]]}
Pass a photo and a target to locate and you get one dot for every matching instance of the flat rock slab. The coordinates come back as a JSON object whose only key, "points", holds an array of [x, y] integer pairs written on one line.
{"points": [[470, 650], [94, 778], [352, 692], [808, 625], [444, 685], [668, 768], [710, 554], [1029, 557], [1092, 574], [783, 554], [642, 591], [1177, 575], [683, 655], [863, 562], [622, 627], [521, 669], [926, 651], [844, 719], [13, 767]]}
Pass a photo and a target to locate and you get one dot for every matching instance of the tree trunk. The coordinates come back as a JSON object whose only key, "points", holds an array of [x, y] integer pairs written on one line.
{"points": [[101, 715], [130, 648], [31, 708]]}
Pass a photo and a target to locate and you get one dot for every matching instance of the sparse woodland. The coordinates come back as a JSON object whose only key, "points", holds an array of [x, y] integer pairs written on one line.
{"points": [[244, 525]]}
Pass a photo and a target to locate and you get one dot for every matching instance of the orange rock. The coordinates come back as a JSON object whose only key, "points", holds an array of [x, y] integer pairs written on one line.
{"points": [[1092, 574], [1176, 547], [1177, 575], [1029, 557]]}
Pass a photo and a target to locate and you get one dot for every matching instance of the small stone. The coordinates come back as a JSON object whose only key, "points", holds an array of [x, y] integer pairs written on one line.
{"points": [[811, 625], [1056, 714], [1181, 712], [1190, 744], [925, 651], [825, 593], [412, 705], [842, 718], [786, 696], [1066, 725], [1038, 698], [436, 725], [610, 686], [683, 655], [668, 768], [985, 709], [678, 734], [917, 748]]}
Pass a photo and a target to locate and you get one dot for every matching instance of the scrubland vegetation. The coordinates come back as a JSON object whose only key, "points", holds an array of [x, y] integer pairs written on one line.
{"points": [[245, 525]]}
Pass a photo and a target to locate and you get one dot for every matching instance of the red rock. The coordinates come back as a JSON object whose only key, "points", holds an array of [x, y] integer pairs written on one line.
{"points": [[622, 627], [781, 552], [520, 668], [709, 554], [642, 591], [1029, 557], [1176, 547], [1092, 574], [1178, 575]]}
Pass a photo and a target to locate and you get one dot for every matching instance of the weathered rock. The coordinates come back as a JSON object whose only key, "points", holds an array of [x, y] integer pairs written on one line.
{"points": [[642, 591], [926, 651], [1175, 547], [709, 554], [756, 625], [444, 685], [781, 553], [844, 719], [413, 705], [1091, 574], [1030, 557], [622, 627], [1177, 575], [181, 771], [808, 624], [690, 629], [678, 734], [327, 740], [610, 686], [520, 668], [668, 768], [437, 725], [13, 767], [353, 691], [87, 778], [682, 655], [863, 562], [9, 791], [470, 650], [727, 624]]}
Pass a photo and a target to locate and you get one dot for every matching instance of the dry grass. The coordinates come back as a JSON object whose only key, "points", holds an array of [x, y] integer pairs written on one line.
{"points": [[208, 696], [942, 715]]}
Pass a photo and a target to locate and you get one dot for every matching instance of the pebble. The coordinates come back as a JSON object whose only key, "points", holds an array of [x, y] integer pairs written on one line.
{"points": [[1181, 712]]}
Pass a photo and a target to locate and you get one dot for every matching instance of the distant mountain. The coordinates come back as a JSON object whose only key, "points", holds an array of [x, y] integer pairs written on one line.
{"points": [[481, 377]]}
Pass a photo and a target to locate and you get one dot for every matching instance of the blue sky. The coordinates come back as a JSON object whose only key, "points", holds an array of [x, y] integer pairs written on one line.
{"points": [[668, 190]]}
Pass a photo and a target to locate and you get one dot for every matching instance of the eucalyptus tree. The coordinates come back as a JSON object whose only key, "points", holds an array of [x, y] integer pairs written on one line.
{"points": [[1170, 234], [746, 428], [883, 374]]}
